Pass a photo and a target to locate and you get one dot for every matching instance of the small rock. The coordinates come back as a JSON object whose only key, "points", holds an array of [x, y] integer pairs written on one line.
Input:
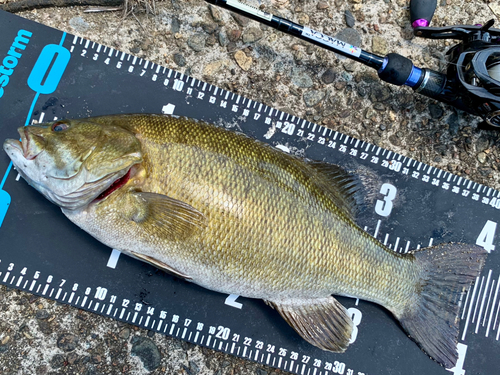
{"points": [[322, 5], [147, 351], [313, 97], [379, 45], [42, 314], [223, 39], [481, 157], [194, 367], [175, 26], [210, 27], [328, 76], [349, 18], [300, 78], [44, 326], [482, 144], [243, 60], [67, 342], [379, 93], [72, 358], [57, 361], [179, 59], [379, 106], [215, 12], [215, 66], [79, 24], [252, 35], [240, 20], [124, 333], [361, 91], [303, 19], [340, 85], [197, 42], [454, 123], [395, 140], [234, 35], [350, 66], [435, 110]]}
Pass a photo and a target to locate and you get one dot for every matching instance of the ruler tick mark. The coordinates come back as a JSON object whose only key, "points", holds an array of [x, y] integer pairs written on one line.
{"points": [[493, 308], [482, 301], [477, 302]]}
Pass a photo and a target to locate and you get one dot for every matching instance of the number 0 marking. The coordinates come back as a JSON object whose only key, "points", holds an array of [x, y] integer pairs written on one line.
{"points": [[384, 208]]}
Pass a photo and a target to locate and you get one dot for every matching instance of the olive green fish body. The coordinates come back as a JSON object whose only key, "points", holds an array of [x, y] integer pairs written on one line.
{"points": [[270, 233], [234, 215]]}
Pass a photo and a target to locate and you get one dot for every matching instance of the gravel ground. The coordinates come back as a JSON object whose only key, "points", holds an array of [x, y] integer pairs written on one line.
{"points": [[39, 336]]}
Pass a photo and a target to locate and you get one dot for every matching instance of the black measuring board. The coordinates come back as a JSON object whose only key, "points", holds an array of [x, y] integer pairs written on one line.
{"points": [[47, 74]]}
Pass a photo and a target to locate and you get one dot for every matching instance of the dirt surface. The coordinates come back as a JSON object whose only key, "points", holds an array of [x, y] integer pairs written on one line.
{"points": [[38, 336]]}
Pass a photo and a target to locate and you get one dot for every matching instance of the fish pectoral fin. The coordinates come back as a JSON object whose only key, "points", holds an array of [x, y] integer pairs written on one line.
{"points": [[323, 322], [160, 214], [159, 264]]}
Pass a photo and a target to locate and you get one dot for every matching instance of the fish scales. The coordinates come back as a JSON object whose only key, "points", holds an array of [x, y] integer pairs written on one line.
{"points": [[247, 190], [237, 216]]}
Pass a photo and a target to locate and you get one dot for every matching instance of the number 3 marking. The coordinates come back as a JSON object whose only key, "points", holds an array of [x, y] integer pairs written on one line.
{"points": [[384, 208]]}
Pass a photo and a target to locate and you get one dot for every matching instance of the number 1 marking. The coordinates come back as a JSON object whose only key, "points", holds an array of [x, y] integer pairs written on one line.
{"points": [[113, 259], [459, 367]]}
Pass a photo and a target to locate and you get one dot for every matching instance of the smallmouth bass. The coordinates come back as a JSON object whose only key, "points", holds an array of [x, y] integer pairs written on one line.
{"points": [[236, 216]]}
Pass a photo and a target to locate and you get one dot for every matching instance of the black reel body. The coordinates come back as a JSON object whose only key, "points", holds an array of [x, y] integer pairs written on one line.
{"points": [[473, 74]]}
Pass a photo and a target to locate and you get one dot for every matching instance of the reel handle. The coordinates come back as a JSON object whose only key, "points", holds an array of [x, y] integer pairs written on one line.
{"points": [[421, 12]]}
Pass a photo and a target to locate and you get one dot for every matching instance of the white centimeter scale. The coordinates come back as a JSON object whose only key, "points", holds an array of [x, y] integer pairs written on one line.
{"points": [[480, 307]]}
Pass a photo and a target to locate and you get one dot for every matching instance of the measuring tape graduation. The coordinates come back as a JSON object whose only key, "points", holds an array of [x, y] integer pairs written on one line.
{"points": [[418, 206]]}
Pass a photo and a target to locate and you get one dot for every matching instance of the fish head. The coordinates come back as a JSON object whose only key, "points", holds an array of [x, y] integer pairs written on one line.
{"points": [[72, 162]]}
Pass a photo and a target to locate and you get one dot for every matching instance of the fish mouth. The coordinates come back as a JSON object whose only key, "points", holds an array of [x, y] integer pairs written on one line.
{"points": [[114, 186], [13, 144], [30, 148]]}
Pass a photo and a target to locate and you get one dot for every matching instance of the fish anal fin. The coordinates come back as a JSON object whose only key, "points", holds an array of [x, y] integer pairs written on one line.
{"points": [[160, 214], [161, 265], [322, 322]]}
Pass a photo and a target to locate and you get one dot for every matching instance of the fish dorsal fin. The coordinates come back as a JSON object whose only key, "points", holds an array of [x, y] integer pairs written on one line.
{"points": [[343, 187], [323, 322], [161, 265], [160, 214]]}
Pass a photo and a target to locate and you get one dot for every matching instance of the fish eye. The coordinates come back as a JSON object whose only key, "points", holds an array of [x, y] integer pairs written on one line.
{"points": [[59, 126]]}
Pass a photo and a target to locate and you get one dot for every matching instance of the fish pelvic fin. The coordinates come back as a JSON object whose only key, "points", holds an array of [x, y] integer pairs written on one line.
{"points": [[322, 322], [431, 318], [161, 265]]}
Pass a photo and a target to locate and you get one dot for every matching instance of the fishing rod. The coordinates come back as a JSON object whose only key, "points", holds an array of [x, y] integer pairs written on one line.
{"points": [[471, 82]]}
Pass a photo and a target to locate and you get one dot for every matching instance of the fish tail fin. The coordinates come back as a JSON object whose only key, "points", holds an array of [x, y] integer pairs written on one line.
{"points": [[431, 315]]}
